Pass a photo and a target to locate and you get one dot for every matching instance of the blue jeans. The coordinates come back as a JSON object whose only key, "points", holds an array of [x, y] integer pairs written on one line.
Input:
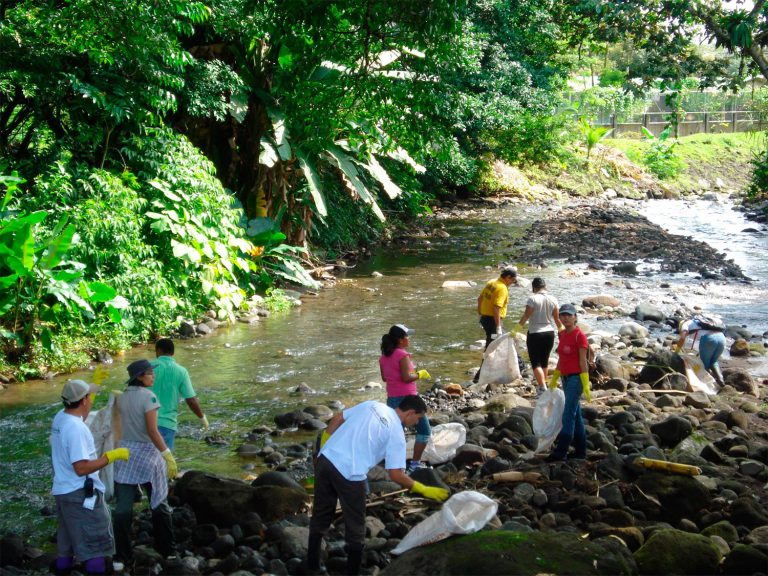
{"points": [[573, 423], [168, 435], [711, 346], [423, 429]]}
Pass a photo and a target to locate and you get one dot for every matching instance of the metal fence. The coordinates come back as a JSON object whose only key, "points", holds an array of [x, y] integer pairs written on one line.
{"points": [[688, 123]]}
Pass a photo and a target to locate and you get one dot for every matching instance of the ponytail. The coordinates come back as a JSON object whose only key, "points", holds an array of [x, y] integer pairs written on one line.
{"points": [[388, 345]]}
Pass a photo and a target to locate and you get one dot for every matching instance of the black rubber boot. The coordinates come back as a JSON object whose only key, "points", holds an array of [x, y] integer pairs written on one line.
{"points": [[354, 560], [313, 553]]}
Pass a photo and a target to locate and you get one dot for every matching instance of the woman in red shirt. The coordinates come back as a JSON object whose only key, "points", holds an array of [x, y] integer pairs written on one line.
{"points": [[572, 365]]}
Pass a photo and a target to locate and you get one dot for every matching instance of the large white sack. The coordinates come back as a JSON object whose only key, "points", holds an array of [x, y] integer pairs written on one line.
{"points": [[500, 362], [105, 427], [462, 513], [548, 417], [446, 439]]}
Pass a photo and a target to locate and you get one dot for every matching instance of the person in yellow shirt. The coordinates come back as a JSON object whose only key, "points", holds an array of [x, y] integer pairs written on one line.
{"points": [[492, 305]]}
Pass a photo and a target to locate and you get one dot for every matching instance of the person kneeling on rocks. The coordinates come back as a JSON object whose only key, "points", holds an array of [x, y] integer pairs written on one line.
{"points": [[572, 365], [355, 441]]}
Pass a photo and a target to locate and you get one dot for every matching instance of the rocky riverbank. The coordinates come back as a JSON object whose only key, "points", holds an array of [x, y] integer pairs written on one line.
{"points": [[602, 515]]}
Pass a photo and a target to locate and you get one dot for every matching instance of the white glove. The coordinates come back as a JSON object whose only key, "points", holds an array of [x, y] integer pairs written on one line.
{"points": [[204, 422], [498, 333]]}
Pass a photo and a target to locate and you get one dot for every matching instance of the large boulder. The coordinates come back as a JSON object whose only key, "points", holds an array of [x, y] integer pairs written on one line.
{"points": [[672, 431], [224, 501], [676, 552], [645, 311], [679, 496], [633, 331], [502, 552], [741, 380], [599, 301], [659, 364], [613, 367]]}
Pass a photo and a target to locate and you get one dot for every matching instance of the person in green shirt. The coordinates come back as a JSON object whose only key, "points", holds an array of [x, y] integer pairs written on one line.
{"points": [[172, 384]]}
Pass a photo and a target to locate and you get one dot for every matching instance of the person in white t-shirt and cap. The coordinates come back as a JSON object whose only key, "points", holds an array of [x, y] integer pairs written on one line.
{"points": [[355, 441], [85, 527]]}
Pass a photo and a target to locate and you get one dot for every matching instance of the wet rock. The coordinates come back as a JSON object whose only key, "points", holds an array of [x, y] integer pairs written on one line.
{"points": [[628, 268], [203, 329], [698, 400], [293, 541], [599, 301], [11, 550], [187, 329], [302, 389], [741, 380], [204, 534], [313, 424], [672, 430], [319, 411], [679, 496], [224, 501], [523, 554], [632, 537], [740, 347], [274, 478], [612, 367], [724, 530], [751, 467], [649, 312], [748, 512], [633, 330], [677, 552], [745, 560]]}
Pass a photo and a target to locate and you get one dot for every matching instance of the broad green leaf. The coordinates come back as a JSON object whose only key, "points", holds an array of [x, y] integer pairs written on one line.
{"points": [[352, 180], [18, 223], [268, 155], [7, 281], [163, 188], [378, 172], [100, 292], [58, 247], [313, 180], [119, 302], [24, 247], [285, 57], [281, 134], [114, 314]]}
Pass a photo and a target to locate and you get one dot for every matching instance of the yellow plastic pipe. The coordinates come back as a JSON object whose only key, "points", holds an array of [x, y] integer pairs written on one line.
{"points": [[675, 467]]}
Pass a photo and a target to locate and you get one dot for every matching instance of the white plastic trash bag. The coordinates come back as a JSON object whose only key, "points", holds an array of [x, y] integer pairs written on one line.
{"points": [[462, 513], [105, 427], [445, 440], [500, 362], [698, 378], [548, 417]]}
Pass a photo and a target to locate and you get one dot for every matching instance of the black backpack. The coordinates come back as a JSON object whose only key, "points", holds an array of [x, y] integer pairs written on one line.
{"points": [[710, 322]]}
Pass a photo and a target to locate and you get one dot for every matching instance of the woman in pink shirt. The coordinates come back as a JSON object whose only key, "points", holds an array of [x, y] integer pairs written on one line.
{"points": [[398, 372]]}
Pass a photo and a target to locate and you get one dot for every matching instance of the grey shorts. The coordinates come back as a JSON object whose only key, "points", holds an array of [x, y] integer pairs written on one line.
{"points": [[83, 533]]}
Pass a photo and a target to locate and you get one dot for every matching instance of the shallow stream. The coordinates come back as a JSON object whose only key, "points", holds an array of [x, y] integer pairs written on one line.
{"points": [[243, 374]]}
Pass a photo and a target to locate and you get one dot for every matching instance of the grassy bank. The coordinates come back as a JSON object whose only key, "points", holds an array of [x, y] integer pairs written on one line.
{"points": [[618, 164]]}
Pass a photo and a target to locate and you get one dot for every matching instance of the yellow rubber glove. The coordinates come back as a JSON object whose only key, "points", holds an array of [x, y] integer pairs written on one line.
{"points": [[554, 380], [117, 454], [204, 422], [584, 377], [431, 492], [170, 461], [423, 374], [324, 438]]}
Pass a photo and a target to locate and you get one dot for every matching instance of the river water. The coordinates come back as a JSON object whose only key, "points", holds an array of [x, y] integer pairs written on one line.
{"points": [[243, 374]]}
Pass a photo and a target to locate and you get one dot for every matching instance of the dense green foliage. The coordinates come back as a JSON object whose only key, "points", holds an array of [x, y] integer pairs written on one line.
{"points": [[196, 152]]}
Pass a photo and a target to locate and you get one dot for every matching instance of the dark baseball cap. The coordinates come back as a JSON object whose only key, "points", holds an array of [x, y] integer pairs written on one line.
{"points": [[568, 309]]}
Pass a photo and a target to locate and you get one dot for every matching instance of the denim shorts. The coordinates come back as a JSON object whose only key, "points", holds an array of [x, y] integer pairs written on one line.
{"points": [[423, 429]]}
